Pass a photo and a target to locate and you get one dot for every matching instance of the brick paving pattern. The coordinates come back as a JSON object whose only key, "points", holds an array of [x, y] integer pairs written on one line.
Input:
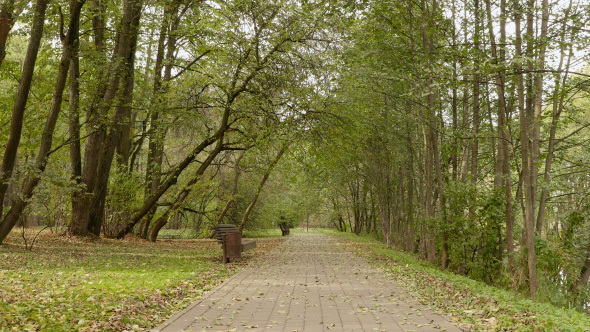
{"points": [[309, 283]]}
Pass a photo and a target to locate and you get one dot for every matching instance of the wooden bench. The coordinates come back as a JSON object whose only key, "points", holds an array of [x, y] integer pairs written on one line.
{"points": [[231, 241]]}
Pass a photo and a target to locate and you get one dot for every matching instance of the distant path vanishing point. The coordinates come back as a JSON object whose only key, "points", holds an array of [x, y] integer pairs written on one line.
{"points": [[309, 283]]}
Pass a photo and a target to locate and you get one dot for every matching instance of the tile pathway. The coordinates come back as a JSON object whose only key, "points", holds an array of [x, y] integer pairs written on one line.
{"points": [[309, 283]]}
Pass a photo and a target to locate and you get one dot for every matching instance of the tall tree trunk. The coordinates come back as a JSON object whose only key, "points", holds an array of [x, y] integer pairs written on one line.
{"points": [[476, 98], [100, 158], [430, 140], [464, 170], [18, 112], [441, 195], [32, 181], [410, 241], [535, 138], [156, 133], [270, 168], [558, 104], [155, 145], [527, 136], [454, 102], [95, 127], [384, 208], [118, 140], [74, 114], [503, 154]]}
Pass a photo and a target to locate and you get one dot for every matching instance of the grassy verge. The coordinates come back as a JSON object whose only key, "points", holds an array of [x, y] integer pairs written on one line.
{"points": [[186, 233], [475, 305], [70, 284], [269, 232]]}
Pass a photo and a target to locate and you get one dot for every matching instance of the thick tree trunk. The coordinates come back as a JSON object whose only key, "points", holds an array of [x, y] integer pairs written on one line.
{"points": [[18, 112], [156, 133], [95, 127], [127, 40], [88, 214]]}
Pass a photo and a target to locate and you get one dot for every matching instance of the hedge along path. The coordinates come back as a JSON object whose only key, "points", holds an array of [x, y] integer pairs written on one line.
{"points": [[309, 283]]}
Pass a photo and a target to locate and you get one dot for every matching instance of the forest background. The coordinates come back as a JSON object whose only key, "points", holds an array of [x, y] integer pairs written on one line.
{"points": [[454, 130]]}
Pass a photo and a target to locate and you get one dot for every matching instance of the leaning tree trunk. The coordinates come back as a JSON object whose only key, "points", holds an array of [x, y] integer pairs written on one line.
{"points": [[18, 112], [261, 186], [156, 133], [238, 85], [32, 181], [162, 220], [173, 177], [234, 192]]}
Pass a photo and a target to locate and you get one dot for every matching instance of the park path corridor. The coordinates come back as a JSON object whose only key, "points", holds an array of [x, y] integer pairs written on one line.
{"points": [[310, 283]]}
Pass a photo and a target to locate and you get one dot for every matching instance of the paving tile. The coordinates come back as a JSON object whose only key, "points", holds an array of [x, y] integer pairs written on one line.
{"points": [[309, 283]]}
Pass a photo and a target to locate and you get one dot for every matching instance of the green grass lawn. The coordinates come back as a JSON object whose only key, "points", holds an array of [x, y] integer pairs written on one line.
{"points": [[184, 233], [70, 284], [269, 232], [477, 306]]}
